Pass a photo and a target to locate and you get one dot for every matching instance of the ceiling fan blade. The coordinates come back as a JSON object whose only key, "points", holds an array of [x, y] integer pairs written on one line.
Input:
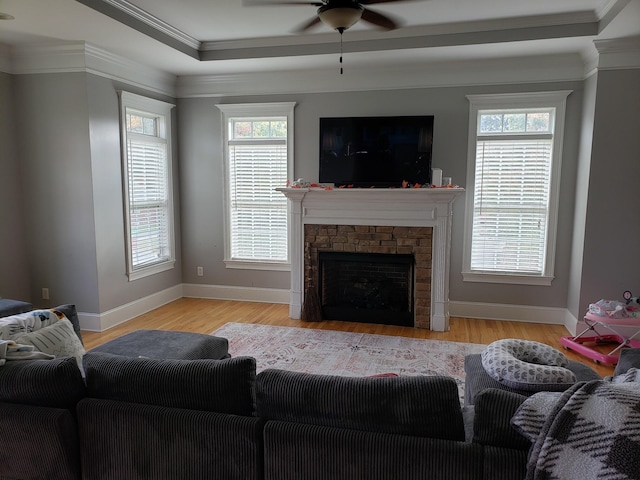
{"points": [[268, 3], [380, 20], [371, 2], [307, 25]]}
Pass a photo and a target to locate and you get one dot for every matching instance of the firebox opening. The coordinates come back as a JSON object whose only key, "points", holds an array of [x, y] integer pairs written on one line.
{"points": [[367, 287]]}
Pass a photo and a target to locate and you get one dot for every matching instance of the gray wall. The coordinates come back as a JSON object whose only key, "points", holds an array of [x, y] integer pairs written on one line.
{"points": [[582, 195], [69, 149], [611, 262], [14, 271], [63, 128], [202, 187], [53, 137]]}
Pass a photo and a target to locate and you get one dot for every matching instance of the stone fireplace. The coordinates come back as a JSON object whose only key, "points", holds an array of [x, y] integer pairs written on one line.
{"points": [[413, 222], [375, 240]]}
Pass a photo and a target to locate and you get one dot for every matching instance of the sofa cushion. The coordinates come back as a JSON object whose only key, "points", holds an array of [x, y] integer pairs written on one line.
{"points": [[477, 379], [69, 311], [416, 405], [10, 307], [224, 386], [127, 441], [493, 410], [57, 339], [47, 383], [38, 443], [629, 358]]}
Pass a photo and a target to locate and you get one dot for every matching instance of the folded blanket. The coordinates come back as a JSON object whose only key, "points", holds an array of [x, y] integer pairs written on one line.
{"points": [[10, 350], [592, 431]]}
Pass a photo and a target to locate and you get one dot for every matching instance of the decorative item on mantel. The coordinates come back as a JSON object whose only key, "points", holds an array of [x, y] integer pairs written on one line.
{"points": [[301, 183]]}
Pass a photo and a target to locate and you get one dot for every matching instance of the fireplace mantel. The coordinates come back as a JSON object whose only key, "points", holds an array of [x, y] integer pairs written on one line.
{"points": [[410, 207]]}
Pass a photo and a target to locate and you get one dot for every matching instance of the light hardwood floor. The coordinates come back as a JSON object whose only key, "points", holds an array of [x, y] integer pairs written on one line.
{"points": [[205, 316]]}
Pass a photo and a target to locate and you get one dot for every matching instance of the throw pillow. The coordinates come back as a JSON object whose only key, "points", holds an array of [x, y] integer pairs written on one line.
{"points": [[58, 339]]}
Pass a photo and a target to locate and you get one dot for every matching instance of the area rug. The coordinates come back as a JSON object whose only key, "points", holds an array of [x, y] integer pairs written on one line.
{"points": [[346, 353]]}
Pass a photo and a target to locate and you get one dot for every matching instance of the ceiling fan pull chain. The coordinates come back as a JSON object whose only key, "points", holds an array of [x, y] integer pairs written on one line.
{"points": [[340, 53]]}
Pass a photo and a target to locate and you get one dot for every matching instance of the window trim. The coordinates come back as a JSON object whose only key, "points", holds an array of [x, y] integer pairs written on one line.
{"points": [[158, 108], [553, 99], [254, 110]]}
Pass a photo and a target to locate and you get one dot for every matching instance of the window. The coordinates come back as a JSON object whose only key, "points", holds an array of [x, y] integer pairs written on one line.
{"points": [[146, 153], [513, 180], [258, 157]]}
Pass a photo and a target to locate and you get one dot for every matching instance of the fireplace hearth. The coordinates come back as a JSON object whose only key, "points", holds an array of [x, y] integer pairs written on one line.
{"points": [[363, 287]]}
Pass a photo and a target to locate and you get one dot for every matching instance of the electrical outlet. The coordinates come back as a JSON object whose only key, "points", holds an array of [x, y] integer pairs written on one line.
{"points": [[45, 293], [200, 271]]}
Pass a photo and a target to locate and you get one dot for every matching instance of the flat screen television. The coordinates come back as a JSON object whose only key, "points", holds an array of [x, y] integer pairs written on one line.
{"points": [[376, 151]]}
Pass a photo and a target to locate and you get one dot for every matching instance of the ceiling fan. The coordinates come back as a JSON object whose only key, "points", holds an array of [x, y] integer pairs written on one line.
{"points": [[338, 14]]}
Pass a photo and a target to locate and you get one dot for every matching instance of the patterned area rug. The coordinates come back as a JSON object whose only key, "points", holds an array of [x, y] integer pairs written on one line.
{"points": [[345, 353]]}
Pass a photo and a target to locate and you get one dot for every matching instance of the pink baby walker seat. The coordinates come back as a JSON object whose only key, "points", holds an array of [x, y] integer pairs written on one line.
{"points": [[612, 317]]}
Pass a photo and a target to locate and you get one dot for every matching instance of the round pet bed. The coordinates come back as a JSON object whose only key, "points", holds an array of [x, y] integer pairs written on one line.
{"points": [[527, 365]]}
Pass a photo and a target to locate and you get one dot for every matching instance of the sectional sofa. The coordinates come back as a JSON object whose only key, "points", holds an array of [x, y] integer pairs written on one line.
{"points": [[142, 418]]}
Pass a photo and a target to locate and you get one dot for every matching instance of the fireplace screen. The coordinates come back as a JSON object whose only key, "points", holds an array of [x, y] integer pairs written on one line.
{"points": [[366, 287]]}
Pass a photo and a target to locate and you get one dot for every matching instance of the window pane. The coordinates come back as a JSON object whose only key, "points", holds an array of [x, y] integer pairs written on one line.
{"points": [[539, 122], [148, 200], [258, 212], [514, 122], [242, 130], [511, 206], [261, 129], [279, 129], [490, 123]]}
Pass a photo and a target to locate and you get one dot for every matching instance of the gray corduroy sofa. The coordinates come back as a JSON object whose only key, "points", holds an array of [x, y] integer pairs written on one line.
{"points": [[138, 418], [143, 418]]}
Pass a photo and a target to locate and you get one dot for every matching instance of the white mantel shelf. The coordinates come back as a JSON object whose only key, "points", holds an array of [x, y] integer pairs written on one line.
{"points": [[408, 207]]}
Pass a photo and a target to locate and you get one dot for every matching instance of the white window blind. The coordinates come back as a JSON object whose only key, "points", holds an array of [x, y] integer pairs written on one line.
{"points": [[146, 132], [513, 185], [148, 202], [258, 211], [511, 205], [258, 158]]}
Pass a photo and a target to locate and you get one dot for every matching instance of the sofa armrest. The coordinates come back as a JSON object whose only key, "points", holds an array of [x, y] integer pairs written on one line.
{"points": [[493, 410], [629, 358]]}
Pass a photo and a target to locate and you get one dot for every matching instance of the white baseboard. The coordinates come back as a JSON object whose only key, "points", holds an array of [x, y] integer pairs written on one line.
{"points": [[106, 320], [243, 294], [571, 323], [514, 313], [491, 311]]}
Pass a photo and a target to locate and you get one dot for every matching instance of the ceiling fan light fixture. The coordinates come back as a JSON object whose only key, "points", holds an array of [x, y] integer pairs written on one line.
{"points": [[340, 18]]}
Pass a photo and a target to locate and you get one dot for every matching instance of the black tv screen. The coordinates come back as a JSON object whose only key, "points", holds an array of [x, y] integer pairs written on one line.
{"points": [[376, 151]]}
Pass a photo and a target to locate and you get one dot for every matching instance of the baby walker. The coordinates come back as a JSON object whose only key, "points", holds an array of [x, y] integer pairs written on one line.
{"points": [[611, 316]]}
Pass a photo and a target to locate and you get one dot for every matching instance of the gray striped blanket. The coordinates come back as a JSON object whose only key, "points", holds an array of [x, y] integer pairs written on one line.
{"points": [[591, 431]]}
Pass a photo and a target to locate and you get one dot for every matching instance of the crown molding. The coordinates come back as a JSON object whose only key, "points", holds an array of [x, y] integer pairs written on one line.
{"points": [[147, 24], [163, 27], [83, 57], [562, 25], [618, 53], [449, 74]]}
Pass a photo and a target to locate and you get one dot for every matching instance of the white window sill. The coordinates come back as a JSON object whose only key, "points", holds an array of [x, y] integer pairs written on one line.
{"points": [[507, 278], [247, 265], [151, 270]]}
